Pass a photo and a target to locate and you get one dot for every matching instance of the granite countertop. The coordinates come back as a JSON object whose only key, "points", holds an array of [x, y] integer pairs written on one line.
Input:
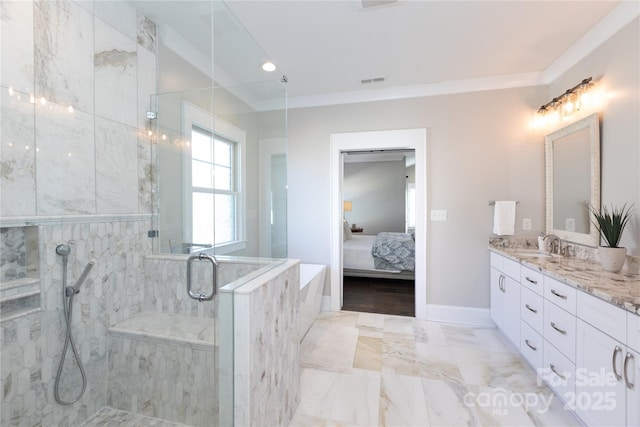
{"points": [[619, 289]]}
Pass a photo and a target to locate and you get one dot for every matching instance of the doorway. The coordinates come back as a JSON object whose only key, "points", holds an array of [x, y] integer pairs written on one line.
{"points": [[412, 139]]}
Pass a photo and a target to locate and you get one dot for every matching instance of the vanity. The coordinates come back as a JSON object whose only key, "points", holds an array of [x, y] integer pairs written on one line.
{"points": [[576, 324]]}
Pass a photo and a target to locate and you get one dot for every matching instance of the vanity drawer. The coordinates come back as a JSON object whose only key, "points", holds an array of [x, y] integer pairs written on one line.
{"points": [[633, 332], [558, 372], [560, 294], [532, 310], [532, 279], [603, 315], [531, 343], [560, 329]]}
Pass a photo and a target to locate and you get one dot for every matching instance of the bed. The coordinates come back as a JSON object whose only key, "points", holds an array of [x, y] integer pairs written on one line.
{"points": [[387, 255]]}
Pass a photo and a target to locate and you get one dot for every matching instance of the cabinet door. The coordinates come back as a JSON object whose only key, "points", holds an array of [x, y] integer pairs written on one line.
{"points": [[632, 380], [497, 297], [600, 398], [511, 319]]}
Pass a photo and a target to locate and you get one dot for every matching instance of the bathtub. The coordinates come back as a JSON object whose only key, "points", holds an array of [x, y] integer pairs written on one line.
{"points": [[311, 287]]}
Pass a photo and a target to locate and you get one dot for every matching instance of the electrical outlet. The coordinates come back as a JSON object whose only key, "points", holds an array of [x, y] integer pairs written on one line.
{"points": [[526, 223], [438, 215]]}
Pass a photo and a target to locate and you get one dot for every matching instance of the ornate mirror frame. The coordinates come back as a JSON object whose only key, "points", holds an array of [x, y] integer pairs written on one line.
{"points": [[592, 124]]}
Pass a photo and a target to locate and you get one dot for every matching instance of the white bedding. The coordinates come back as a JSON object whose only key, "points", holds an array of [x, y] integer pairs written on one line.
{"points": [[356, 253]]}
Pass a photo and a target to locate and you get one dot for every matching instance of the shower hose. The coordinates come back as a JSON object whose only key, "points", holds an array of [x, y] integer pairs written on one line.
{"points": [[68, 294]]}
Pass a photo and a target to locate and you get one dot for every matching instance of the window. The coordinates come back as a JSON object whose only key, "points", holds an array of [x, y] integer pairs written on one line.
{"points": [[215, 197]]}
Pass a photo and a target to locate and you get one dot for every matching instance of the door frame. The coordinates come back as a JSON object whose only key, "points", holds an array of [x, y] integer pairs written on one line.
{"points": [[415, 139]]}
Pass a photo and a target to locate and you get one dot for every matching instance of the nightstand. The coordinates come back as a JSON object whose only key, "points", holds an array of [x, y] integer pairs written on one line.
{"points": [[357, 229]]}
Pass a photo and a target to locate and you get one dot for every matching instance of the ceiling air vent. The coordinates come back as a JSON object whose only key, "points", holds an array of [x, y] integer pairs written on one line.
{"points": [[375, 3], [373, 80]]}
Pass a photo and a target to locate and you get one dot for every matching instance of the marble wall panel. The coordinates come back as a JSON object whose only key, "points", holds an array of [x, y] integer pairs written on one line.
{"points": [[16, 52], [65, 176], [63, 54], [116, 167], [116, 74], [147, 34], [163, 380], [13, 254], [17, 156], [118, 14], [32, 344], [267, 348], [146, 149]]}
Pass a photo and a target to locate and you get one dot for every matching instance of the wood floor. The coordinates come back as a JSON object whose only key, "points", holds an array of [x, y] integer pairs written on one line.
{"points": [[385, 296]]}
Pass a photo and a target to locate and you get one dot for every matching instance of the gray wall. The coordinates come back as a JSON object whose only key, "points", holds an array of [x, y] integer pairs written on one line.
{"points": [[481, 147], [377, 192]]}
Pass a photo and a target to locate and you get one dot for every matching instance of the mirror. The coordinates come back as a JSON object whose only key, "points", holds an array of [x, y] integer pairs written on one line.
{"points": [[572, 180]]}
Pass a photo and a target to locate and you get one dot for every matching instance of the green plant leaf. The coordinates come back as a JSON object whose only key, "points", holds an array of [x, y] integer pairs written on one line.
{"points": [[611, 223]]}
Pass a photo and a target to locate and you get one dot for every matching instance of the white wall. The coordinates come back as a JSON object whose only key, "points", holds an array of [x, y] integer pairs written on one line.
{"points": [[481, 147], [615, 66], [377, 192], [477, 143]]}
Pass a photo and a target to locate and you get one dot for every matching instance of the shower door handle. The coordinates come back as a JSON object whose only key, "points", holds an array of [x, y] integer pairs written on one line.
{"points": [[200, 296]]}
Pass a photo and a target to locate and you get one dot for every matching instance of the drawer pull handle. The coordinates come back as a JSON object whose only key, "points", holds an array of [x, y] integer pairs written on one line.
{"points": [[553, 291], [628, 357], [613, 362], [533, 310], [530, 346], [535, 282], [555, 371], [553, 325]]}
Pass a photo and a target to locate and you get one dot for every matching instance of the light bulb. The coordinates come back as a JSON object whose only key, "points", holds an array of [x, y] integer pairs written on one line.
{"points": [[268, 66]]}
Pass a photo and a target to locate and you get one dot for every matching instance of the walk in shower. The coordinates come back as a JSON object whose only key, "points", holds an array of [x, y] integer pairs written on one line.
{"points": [[138, 135], [217, 148]]}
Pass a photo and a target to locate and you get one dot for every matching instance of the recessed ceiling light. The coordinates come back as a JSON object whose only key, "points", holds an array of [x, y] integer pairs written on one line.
{"points": [[268, 66]]}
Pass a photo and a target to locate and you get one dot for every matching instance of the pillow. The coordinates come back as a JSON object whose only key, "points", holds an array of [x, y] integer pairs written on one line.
{"points": [[346, 232]]}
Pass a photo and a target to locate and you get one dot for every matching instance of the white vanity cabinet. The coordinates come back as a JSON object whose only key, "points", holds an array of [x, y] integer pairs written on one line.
{"points": [[606, 367], [585, 348], [505, 296], [632, 358]]}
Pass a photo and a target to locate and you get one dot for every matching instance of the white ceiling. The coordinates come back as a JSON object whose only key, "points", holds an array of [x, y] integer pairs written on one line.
{"points": [[326, 48]]}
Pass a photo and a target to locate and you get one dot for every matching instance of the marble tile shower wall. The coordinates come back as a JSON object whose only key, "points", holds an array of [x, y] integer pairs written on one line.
{"points": [[32, 344], [76, 81]]}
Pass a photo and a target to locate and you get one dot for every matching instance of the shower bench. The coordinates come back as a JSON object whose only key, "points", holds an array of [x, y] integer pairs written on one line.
{"points": [[162, 365]]}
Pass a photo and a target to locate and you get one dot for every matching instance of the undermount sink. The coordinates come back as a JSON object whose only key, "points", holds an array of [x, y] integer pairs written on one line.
{"points": [[532, 253]]}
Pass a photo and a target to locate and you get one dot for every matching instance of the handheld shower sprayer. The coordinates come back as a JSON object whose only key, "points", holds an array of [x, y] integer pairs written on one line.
{"points": [[68, 293]]}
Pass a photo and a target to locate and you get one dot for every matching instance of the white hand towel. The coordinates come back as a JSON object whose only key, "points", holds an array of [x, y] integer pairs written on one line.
{"points": [[504, 218]]}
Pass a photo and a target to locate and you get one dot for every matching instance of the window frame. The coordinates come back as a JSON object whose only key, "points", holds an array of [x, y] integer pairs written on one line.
{"points": [[208, 122]]}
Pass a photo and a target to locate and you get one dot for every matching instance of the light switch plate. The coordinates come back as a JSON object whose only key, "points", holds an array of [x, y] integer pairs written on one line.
{"points": [[438, 215], [526, 223]]}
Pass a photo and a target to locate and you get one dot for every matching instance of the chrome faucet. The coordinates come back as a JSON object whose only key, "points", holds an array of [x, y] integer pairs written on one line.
{"points": [[555, 244]]}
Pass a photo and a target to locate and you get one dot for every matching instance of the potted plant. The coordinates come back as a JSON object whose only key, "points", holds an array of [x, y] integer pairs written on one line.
{"points": [[610, 224]]}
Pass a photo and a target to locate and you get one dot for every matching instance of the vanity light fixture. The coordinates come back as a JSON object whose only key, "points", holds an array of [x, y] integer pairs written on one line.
{"points": [[563, 106], [268, 66]]}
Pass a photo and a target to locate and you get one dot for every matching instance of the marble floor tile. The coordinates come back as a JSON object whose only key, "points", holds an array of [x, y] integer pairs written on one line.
{"points": [[350, 398], [410, 372], [108, 417], [368, 353], [329, 346], [402, 400]]}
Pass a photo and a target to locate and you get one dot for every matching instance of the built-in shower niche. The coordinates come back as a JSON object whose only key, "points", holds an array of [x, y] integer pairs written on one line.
{"points": [[19, 276]]}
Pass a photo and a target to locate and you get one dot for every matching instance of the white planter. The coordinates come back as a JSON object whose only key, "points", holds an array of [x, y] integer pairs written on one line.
{"points": [[612, 259]]}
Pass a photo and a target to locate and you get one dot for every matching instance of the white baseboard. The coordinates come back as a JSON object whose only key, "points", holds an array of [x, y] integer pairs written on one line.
{"points": [[456, 314]]}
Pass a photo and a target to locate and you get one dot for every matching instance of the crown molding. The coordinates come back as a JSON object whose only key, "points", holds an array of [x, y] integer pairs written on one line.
{"points": [[617, 19]]}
